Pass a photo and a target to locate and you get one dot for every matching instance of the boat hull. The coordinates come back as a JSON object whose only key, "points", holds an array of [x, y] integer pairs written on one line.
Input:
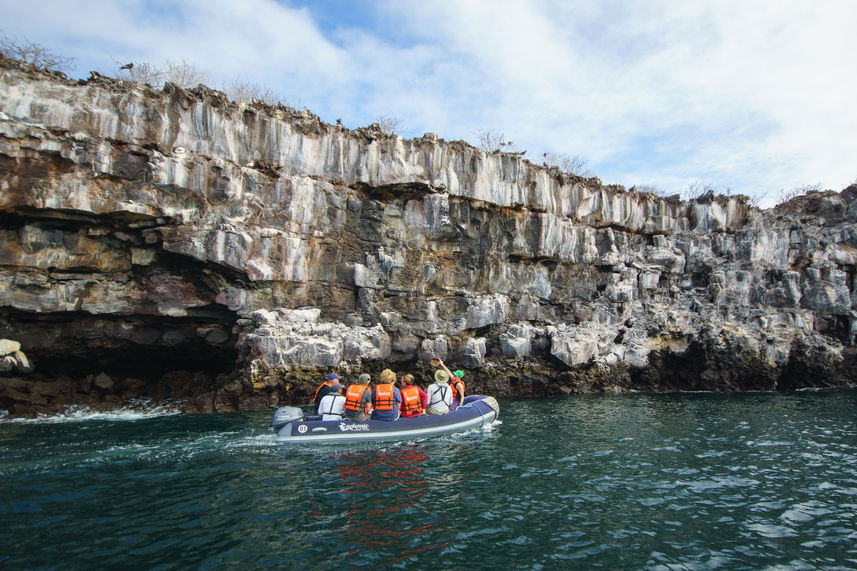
{"points": [[477, 411]]}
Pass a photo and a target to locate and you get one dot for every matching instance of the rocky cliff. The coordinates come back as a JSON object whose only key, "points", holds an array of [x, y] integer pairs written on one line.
{"points": [[176, 245]]}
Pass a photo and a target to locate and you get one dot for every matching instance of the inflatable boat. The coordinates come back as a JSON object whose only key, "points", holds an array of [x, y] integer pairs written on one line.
{"points": [[292, 425]]}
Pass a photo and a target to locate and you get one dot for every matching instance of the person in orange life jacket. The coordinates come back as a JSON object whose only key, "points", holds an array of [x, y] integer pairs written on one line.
{"points": [[358, 399], [456, 381], [386, 398], [439, 394], [414, 399], [332, 405], [323, 389]]}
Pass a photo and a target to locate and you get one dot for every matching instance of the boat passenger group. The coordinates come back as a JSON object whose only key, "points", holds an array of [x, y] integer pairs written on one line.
{"points": [[385, 401]]}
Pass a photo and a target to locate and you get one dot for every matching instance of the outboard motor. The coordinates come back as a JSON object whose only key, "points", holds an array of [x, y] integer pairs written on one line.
{"points": [[285, 415], [492, 402]]}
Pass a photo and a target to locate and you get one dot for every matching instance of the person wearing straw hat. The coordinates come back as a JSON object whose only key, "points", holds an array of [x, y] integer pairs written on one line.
{"points": [[456, 381], [439, 394]]}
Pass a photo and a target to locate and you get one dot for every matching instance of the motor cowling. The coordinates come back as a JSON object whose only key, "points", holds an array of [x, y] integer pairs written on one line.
{"points": [[285, 415]]}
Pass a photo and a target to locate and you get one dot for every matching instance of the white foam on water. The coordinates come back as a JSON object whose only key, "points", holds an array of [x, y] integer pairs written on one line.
{"points": [[136, 410]]}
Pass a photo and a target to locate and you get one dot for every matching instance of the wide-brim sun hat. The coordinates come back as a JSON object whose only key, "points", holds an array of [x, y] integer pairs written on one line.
{"points": [[441, 376]]}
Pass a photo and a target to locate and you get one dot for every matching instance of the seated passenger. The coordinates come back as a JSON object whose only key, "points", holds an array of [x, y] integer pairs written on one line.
{"points": [[456, 381], [323, 389], [332, 405], [358, 399], [386, 398], [439, 394], [414, 399]]}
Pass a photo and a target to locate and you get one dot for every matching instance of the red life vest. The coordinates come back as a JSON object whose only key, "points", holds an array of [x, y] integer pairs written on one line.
{"points": [[454, 384], [412, 404], [354, 396], [385, 399]]}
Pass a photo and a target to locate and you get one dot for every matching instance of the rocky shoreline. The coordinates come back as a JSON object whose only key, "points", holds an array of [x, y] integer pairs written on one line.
{"points": [[177, 246]]}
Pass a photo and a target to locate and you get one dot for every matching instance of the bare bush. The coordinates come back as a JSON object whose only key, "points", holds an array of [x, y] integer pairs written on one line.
{"points": [[575, 164], [143, 72], [183, 74], [648, 188], [698, 189], [787, 194], [492, 141], [756, 201], [246, 92], [389, 124], [33, 54]]}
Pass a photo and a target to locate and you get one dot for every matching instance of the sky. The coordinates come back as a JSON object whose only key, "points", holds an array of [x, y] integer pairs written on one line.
{"points": [[746, 96]]}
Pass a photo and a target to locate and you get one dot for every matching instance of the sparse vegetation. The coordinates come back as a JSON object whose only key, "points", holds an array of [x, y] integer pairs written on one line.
{"points": [[246, 92], [389, 124], [142, 72], [183, 74], [575, 165], [648, 188], [33, 54], [790, 193], [492, 141], [697, 190], [756, 201]]}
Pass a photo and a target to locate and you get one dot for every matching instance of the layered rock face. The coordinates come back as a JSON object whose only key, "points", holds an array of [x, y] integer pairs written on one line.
{"points": [[177, 245]]}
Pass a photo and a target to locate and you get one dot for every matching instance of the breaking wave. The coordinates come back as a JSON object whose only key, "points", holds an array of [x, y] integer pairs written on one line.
{"points": [[135, 410]]}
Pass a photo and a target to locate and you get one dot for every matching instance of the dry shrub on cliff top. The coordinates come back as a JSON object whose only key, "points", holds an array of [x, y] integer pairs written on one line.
{"points": [[492, 141], [389, 124], [180, 73], [143, 72], [791, 193], [569, 164], [33, 54], [246, 92], [183, 74], [697, 190]]}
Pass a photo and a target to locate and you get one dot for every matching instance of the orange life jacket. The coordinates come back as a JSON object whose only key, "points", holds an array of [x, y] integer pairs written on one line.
{"points": [[454, 384], [354, 396], [385, 398], [324, 384], [412, 404]]}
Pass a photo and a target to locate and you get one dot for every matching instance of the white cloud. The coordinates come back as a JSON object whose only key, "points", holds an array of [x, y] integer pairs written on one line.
{"points": [[756, 95]]}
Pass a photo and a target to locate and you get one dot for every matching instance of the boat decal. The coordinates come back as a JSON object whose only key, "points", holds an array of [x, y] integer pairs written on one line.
{"points": [[401, 434], [353, 427], [302, 428]]}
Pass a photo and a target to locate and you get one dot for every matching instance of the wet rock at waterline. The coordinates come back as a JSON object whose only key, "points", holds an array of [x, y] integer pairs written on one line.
{"points": [[229, 256]]}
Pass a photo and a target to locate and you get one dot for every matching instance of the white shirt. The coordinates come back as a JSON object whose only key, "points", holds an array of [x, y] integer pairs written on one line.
{"points": [[439, 398], [332, 406]]}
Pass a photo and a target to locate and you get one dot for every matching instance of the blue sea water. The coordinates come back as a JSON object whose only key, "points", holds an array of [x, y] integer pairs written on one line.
{"points": [[637, 481]]}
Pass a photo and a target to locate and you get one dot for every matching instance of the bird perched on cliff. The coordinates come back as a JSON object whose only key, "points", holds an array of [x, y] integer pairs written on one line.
{"points": [[127, 66]]}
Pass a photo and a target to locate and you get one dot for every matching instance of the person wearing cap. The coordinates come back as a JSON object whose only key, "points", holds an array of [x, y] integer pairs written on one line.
{"points": [[323, 389], [386, 398], [439, 394], [414, 399], [332, 405], [456, 381], [358, 399]]}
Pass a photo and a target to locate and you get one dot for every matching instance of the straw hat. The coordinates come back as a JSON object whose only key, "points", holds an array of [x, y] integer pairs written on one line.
{"points": [[441, 376]]}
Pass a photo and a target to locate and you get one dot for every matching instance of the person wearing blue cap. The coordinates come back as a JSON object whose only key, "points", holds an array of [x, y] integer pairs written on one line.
{"points": [[323, 389]]}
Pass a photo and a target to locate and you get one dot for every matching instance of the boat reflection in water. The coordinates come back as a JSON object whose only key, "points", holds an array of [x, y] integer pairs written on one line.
{"points": [[382, 497]]}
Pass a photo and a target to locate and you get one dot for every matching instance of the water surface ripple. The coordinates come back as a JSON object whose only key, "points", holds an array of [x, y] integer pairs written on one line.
{"points": [[685, 481]]}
